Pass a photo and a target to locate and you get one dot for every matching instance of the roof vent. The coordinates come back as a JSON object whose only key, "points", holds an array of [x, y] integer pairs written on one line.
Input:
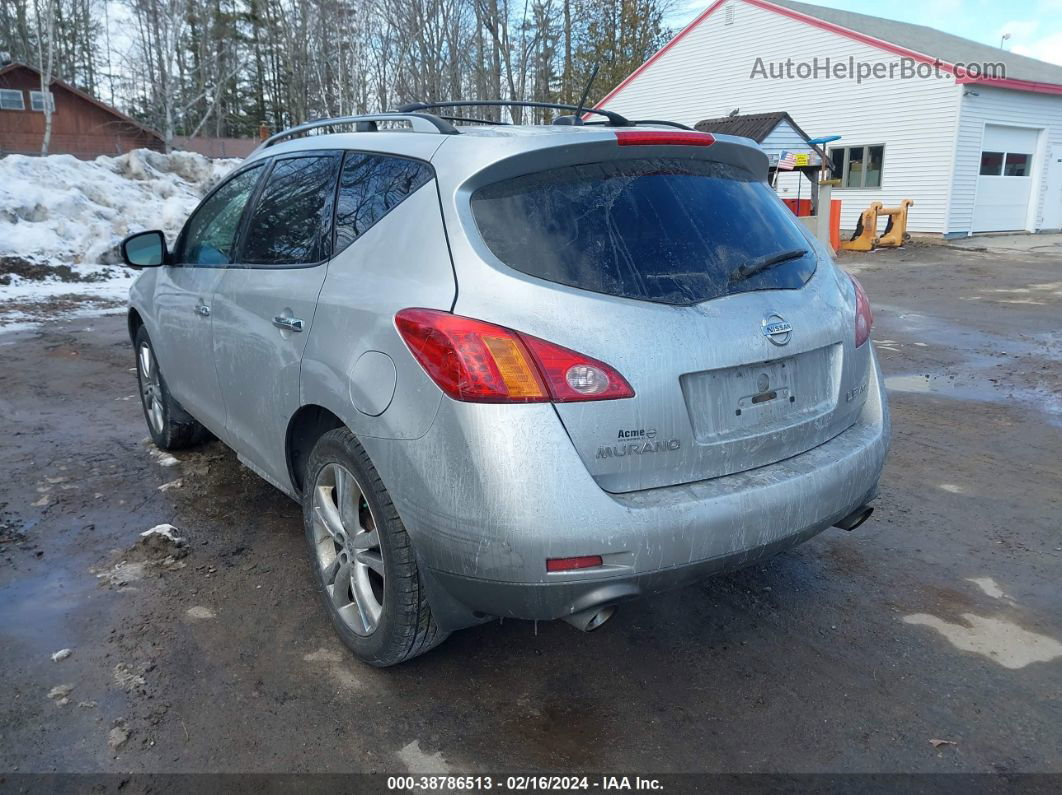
{"points": [[728, 14], [5, 58]]}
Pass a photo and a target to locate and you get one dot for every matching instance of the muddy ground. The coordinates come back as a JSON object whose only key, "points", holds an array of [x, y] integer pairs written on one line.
{"points": [[939, 620]]}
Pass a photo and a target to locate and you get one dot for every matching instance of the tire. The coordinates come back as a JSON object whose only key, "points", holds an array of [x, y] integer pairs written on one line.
{"points": [[170, 426], [362, 557]]}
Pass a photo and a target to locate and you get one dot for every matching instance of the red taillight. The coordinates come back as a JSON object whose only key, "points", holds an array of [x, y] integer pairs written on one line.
{"points": [[864, 317], [571, 376], [663, 138], [480, 362], [570, 564]]}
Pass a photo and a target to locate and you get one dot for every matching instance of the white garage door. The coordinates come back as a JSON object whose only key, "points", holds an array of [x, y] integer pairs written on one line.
{"points": [[1005, 182]]}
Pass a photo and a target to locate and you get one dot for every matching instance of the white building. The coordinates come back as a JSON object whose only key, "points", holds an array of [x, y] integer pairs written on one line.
{"points": [[971, 133]]}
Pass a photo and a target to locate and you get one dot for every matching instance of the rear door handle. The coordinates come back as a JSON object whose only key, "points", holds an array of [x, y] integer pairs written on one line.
{"points": [[202, 309], [287, 323]]}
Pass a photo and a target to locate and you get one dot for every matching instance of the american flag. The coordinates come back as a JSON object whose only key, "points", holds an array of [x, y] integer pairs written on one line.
{"points": [[786, 162]]}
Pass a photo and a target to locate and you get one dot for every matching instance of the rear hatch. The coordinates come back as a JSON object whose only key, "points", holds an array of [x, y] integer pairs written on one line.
{"points": [[691, 278]]}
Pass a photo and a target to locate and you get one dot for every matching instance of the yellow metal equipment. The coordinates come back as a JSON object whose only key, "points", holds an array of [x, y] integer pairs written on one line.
{"points": [[866, 230], [896, 228], [866, 233]]}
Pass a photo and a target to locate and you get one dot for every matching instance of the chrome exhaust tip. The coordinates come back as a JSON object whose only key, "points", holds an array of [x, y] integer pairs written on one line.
{"points": [[855, 518], [589, 620]]}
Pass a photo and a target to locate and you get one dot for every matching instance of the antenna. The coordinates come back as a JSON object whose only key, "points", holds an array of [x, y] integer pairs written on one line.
{"points": [[582, 100]]}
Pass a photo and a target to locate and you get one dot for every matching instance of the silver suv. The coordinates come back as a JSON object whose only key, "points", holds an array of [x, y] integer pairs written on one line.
{"points": [[513, 371]]}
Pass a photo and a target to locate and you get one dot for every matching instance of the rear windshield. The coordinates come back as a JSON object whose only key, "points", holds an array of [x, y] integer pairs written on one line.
{"points": [[667, 230]]}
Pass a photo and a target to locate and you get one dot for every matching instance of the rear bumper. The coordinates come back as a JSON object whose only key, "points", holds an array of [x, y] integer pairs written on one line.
{"points": [[484, 530], [546, 601]]}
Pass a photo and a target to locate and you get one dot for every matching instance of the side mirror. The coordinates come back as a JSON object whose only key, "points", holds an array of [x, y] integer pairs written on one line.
{"points": [[145, 249]]}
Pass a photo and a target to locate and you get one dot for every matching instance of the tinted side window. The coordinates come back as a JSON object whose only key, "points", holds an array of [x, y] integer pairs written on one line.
{"points": [[290, 223], [369, 188], [210, 237], [675, 231]]}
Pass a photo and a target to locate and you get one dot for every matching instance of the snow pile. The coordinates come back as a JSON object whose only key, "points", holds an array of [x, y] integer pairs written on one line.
{"points": [[61, 210], [61, 220], [167, 532]]}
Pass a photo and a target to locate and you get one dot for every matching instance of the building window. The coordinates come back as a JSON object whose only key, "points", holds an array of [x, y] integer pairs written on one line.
{"points": [[858, 166], [1017, 165], [11, 99], [1006, 164], [37, 101], [991, 164]]}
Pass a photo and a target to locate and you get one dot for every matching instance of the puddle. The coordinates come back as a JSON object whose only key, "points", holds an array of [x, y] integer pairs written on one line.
{"points": [[967, 339], [40, 610], [938, 384], [1001, 641], [966, 388], [1026, 295], [991, 367]]}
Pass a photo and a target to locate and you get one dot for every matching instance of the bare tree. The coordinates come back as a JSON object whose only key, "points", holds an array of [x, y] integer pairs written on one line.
{"points": [[16, 36], [45, 16], [187, 67]]}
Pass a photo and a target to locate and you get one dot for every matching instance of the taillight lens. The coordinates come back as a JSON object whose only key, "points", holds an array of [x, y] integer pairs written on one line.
{"points": [[663, 138], [480, 362], [864, 317]]}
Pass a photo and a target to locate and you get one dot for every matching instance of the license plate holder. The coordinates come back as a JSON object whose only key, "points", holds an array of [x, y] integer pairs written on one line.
{"points": [[762, 388]]}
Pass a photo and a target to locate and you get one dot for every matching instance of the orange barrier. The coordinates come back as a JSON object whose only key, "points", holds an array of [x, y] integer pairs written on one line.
{"points": [[835, 224], [801, 208]]}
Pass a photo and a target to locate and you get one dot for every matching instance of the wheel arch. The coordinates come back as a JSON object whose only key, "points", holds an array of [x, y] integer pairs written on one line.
{"points": [[305, 427], [134, 321]]}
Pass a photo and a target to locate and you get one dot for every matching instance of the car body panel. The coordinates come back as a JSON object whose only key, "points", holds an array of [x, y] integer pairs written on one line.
{"points": [[669, 354], [355, 314], [489, 492], [654, 347], [487, 541], [182, 334], [258, 364]]}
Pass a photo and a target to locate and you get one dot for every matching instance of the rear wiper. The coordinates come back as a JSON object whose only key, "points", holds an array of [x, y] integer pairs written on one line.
{"points": [[763, 263]]}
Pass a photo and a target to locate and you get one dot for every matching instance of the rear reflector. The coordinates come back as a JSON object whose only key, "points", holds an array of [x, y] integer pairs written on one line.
{"points": [[663, 138], [568, 564], [479, 362]]}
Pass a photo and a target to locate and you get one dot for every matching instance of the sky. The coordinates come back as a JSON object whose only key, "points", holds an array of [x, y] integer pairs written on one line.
{"points": [[1035, 26]]}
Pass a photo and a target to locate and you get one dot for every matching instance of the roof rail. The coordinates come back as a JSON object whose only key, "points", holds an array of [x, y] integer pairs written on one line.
{"points": [[613, 119], [420, 122], [470, 120]]}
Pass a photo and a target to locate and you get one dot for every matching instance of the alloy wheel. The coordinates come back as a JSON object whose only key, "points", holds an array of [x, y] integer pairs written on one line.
{"points": [[150, 386], [347, 548]]}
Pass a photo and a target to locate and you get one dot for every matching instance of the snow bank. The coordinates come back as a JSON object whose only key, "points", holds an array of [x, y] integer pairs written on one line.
{"points": [[62, 210], [68, 215]]}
